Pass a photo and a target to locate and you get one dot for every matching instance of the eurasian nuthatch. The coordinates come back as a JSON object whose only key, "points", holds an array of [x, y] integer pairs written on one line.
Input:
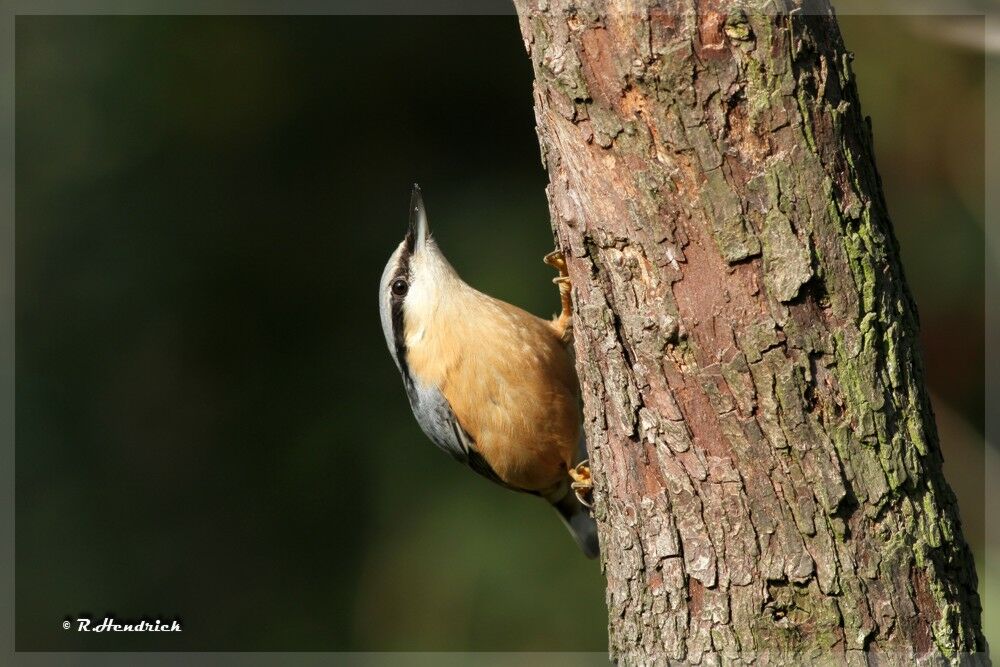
{"points": [[490, 384]]}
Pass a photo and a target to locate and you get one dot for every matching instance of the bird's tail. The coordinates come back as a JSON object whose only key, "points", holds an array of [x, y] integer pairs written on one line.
{"points": [[583, 527]]}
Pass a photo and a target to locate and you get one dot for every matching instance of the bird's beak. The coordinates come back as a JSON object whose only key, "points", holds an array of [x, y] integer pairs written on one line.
{"points": [[416, 235]]}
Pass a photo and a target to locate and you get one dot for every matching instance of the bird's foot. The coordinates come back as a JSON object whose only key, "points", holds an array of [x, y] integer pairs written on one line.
{"points": [[556, 260], [563, 321], [583, 483]]}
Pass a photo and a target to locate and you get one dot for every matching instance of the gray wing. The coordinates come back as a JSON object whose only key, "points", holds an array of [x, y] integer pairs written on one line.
{"points": [[433, 413], [438, 422]]}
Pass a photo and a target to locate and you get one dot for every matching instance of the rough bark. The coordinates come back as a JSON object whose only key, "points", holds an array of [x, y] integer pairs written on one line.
{"points": [[768, 477]]}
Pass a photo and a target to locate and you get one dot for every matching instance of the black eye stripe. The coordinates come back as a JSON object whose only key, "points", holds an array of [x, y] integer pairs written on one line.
{"points": [[396, 302]]}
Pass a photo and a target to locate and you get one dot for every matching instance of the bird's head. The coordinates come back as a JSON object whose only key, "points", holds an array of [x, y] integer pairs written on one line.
{"points": [[415, 280]]}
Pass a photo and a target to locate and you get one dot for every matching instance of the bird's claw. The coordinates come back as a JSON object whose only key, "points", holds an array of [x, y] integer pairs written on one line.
{"points": [[583, 483], [563, 322], [556, 260]]}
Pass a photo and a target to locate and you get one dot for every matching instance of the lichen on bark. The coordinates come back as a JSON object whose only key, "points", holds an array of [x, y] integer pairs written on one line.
{"points": [[768, 477]]}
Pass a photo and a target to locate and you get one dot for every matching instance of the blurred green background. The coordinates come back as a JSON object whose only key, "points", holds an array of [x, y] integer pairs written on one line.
{"points": [[208, 423]]}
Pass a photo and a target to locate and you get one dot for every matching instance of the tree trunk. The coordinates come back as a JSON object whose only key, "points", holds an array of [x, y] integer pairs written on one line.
{"points": [[768, 477]]}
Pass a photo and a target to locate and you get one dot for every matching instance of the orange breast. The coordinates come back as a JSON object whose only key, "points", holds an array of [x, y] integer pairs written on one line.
{"points": [[510, 381]]}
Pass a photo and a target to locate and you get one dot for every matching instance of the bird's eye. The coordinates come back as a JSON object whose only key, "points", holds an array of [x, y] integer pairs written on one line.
{"points": [[399, 287]]}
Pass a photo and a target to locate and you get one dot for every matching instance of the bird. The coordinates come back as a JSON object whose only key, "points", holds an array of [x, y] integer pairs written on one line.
{"points": [[490, 384]]}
